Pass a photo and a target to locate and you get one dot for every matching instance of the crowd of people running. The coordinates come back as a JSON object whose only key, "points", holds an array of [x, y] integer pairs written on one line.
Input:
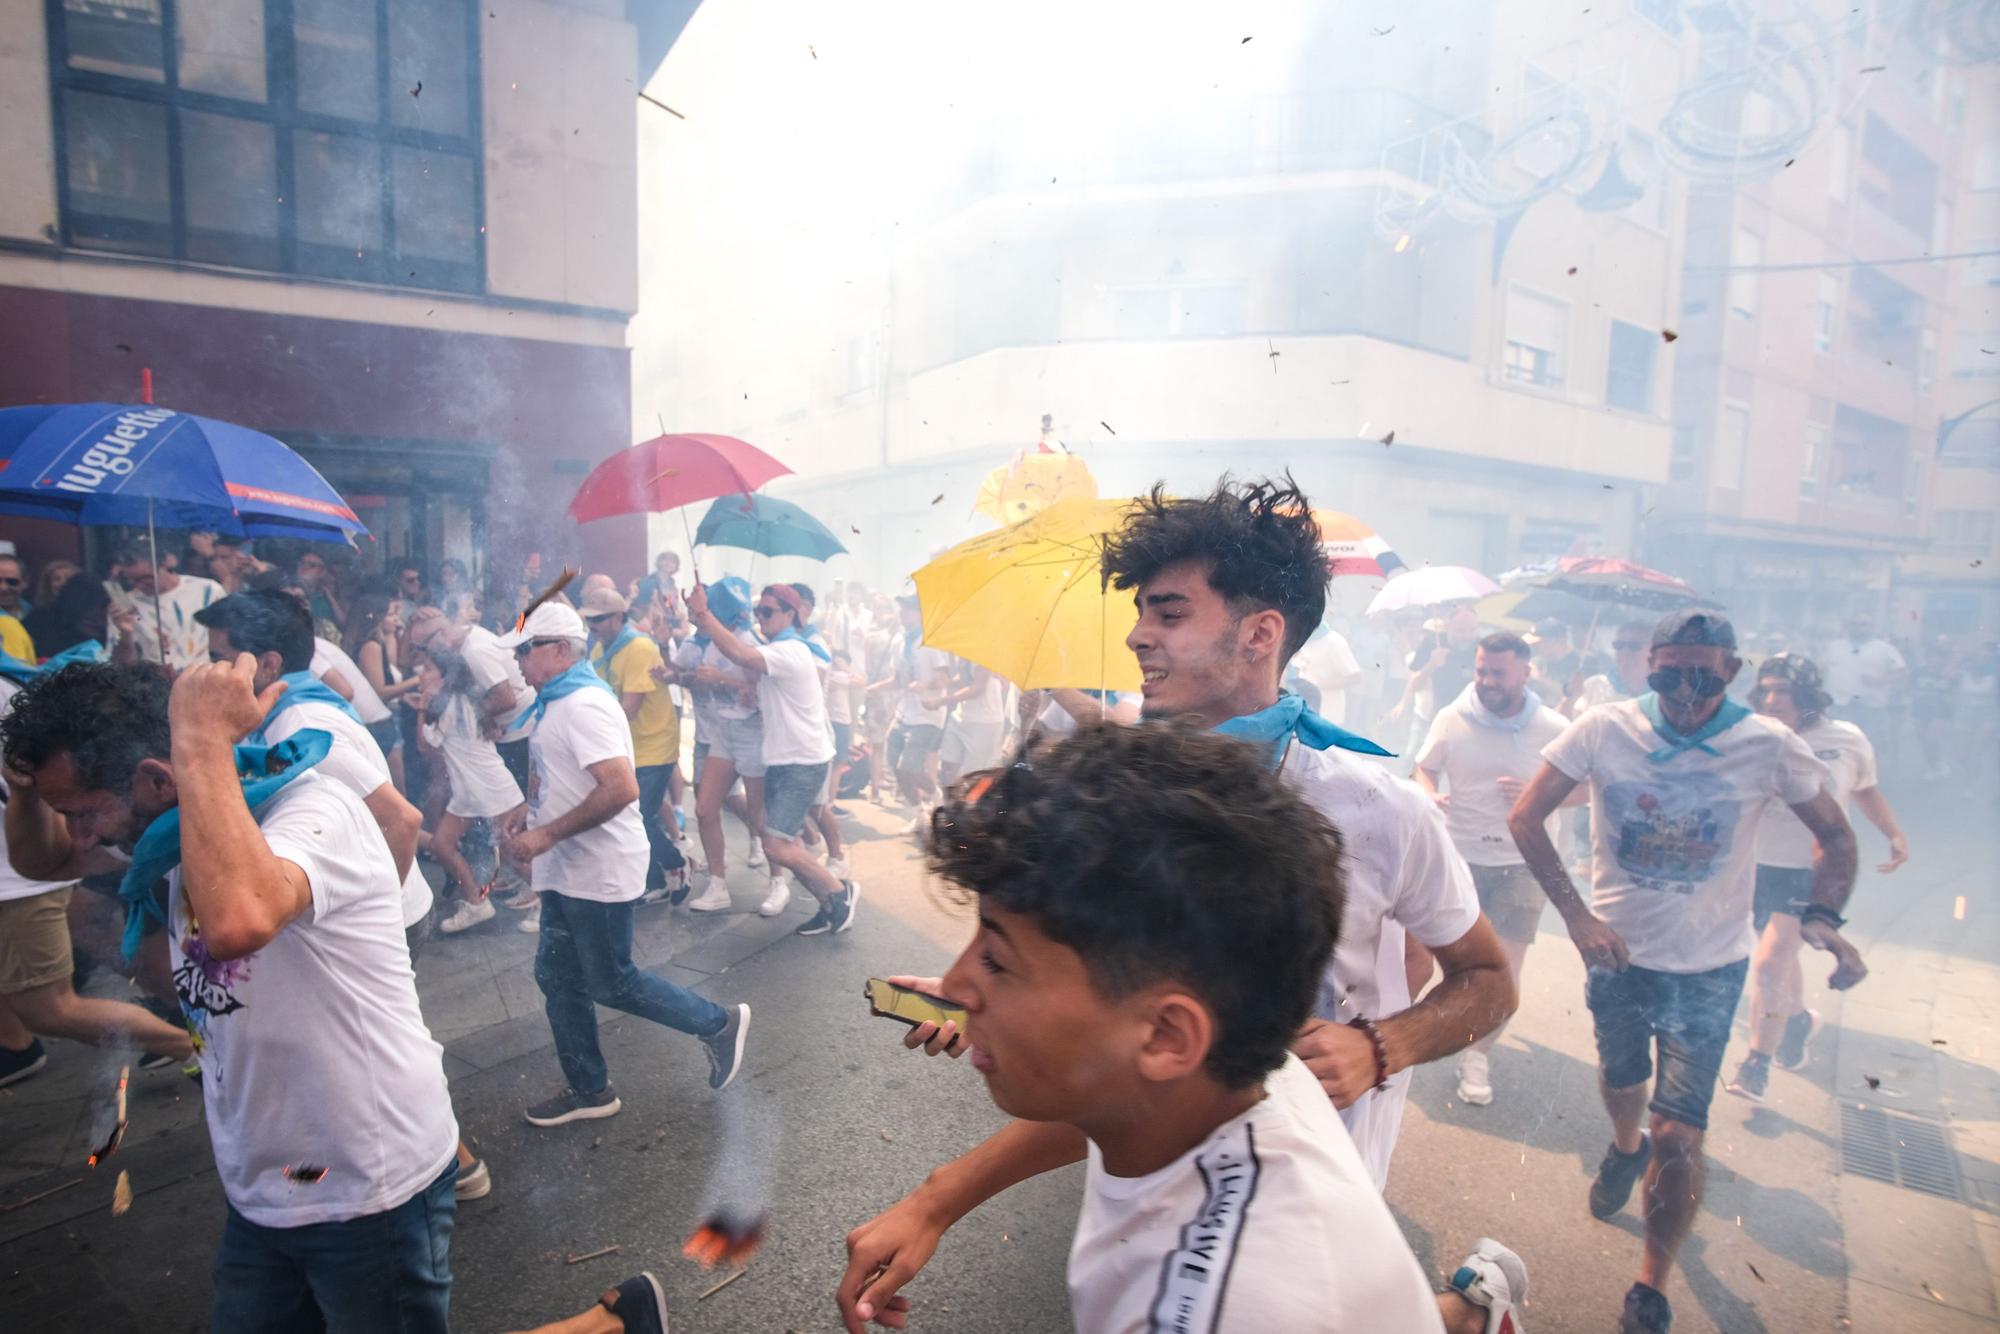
{"points": [[234, 796]]}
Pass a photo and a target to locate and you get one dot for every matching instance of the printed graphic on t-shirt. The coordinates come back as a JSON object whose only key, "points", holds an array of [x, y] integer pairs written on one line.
{"points": [[206, 986], [1196, 1273], [1672, 835]]}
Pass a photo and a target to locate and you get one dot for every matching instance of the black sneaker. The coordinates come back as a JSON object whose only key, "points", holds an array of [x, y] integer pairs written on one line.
{"points": [[1646, 1311], [1799, 1030], [16, 1066], [821, 922], [1752, 1078], [1615, 1176], [569, 1105], [725, 1048], [639, 1303], [844, 904]]}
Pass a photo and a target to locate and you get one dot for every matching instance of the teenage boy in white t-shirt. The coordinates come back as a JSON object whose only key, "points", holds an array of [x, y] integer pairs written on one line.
{"points": [[1121, 999], [1680, 781], [581, 834], [324, 1092]]}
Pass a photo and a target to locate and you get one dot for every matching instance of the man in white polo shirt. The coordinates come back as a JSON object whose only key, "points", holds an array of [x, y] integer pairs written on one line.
{"points": [[580, 832], [324, 1092]]}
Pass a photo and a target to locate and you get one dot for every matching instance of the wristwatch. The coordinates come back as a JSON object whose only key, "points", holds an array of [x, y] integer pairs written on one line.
{"points": [[1819, 912]]}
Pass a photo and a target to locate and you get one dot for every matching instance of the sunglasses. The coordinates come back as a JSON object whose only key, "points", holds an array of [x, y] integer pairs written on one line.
{"points": [[766, 613], [523, 650], [600, 617], [11, 583], [1703, 682]]}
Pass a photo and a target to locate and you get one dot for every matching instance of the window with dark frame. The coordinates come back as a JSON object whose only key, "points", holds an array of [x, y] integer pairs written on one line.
{"points": [[1628, 375], [332, 138]]}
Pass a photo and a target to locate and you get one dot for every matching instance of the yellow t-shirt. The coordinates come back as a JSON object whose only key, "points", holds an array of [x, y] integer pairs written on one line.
{"points": [[14, 639], [656, 731]]}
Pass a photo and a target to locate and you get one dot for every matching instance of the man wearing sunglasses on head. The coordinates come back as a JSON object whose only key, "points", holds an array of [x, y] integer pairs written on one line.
{"points": [[1680, 780]]}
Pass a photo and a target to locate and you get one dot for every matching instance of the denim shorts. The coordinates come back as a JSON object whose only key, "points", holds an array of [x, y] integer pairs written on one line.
{"points": [[1686, 1014], [789, 791], [1780, 889]]}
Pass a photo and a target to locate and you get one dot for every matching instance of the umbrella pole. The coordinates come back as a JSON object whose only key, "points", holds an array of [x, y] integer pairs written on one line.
{"points": [[159, 618]]}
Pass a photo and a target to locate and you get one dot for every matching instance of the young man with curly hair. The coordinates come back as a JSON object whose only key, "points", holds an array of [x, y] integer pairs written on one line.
{"points": [[1228, 587]]}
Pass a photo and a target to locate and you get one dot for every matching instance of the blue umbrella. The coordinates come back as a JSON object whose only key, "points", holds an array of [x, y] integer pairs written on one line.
{"points": [[766, 526], [98, 464]]}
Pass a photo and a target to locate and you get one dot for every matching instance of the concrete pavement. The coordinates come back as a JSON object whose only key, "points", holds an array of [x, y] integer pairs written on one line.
{"points": [[840, 1121]]}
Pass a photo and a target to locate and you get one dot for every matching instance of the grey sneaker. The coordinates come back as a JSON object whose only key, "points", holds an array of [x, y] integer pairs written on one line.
{"points": [[1753, 1078], [1799, 1030], [569, 1105], [725, 1048], [1646, 1311], [1615, 1176], [472, 1183]]}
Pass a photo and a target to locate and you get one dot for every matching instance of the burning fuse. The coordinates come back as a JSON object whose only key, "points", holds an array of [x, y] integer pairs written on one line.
{"points": [[725, 1238], [117, 1136]]}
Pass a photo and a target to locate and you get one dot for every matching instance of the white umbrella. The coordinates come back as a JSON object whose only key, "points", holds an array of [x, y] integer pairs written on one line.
{"points": [[1430, 586]]}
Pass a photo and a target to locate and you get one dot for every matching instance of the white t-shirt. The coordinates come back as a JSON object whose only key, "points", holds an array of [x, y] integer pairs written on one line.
{"points": [[1673, 845], [1470, 755], [13, 885], [1876, 660], [839, 695], [314, 1053], [1783, 839], [1402, 875], [329, 656], [187, 639], [490, 663], [920, 668], [986, 708], [356, 763], [482, 787], [605, 864], [713, 704], [1271, 1226], [793, 700], [1324, 660]]}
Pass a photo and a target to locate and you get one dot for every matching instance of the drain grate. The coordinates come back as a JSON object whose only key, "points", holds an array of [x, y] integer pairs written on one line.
{"points": [[1898, 1149]]}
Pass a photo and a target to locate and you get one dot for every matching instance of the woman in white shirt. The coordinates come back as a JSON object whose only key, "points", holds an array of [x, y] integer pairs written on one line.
{"points": [[372, 641], [481, 786], [1790, 689]]}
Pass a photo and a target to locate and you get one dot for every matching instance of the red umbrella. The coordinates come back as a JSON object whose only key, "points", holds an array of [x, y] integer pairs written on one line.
{"points": [[1604, 579], [670, 471]]}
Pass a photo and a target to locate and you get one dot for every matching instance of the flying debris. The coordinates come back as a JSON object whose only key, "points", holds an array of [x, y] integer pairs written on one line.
{"points": [[1389, 439], [936, 498], [1106, 425], [1669, 335]]}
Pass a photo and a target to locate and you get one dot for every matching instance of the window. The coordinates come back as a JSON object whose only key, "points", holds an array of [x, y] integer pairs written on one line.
{"points": [[1813, 466], [1971, 442], [1963, 530], [1826, 315], [1732, 446], [1746, 255], [1680, 464], [1537, 339], [274, 134], [1840, 164], [1628, 379]]}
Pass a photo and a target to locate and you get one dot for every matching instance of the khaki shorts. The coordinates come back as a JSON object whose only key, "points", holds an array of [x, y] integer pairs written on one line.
{"points": [[34, 941]]}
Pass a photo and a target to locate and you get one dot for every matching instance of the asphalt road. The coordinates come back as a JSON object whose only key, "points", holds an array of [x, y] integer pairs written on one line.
{"points": [[832, 1120]]}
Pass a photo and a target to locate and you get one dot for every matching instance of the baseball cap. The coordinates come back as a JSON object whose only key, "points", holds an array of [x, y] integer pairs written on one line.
{"points": [[551, 620], [1697, 626], [604, 602]]}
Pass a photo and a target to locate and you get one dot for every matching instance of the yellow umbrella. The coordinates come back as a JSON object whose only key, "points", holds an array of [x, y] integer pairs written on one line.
{"points": [[1028, 602], [1031, 483], [1497, 609]]}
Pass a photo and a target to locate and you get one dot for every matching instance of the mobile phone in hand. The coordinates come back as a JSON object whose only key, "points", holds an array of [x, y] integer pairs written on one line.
{"points": [[906, 1006]]}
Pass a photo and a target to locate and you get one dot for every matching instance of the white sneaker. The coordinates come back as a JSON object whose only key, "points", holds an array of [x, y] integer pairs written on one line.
{"points": [[755, 861], [838, 866], [530, 922], [918, 823], [1475, 1078], [468, 915], [1493, 1277], [775, 901], [714, 897]]}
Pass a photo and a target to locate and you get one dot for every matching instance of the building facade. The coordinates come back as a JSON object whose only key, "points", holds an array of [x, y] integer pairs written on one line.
{"points": [[399, 235]]}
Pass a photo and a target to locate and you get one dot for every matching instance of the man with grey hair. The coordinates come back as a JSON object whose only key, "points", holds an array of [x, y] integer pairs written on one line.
{"points": [[1680, 780], [581, 834]]}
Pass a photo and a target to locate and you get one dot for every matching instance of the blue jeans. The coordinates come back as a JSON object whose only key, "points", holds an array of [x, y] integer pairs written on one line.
{"points": [[1686, 1015], [386, 1271], [583, 960], [652, 792]]}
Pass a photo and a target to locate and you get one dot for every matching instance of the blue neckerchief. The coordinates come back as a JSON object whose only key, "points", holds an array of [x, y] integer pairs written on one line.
{"points": [[158, 850], [1289, 718], [20, 673], [626, 634], [729, 600], [580, 676], [1726, 717], [301, 688], [810, 639]]}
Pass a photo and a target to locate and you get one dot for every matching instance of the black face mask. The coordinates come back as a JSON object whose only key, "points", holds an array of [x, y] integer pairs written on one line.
{"points": [[1705, 683]]}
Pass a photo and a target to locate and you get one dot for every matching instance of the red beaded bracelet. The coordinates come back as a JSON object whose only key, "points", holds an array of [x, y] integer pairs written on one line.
{"points": [[1374, 1035]]}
